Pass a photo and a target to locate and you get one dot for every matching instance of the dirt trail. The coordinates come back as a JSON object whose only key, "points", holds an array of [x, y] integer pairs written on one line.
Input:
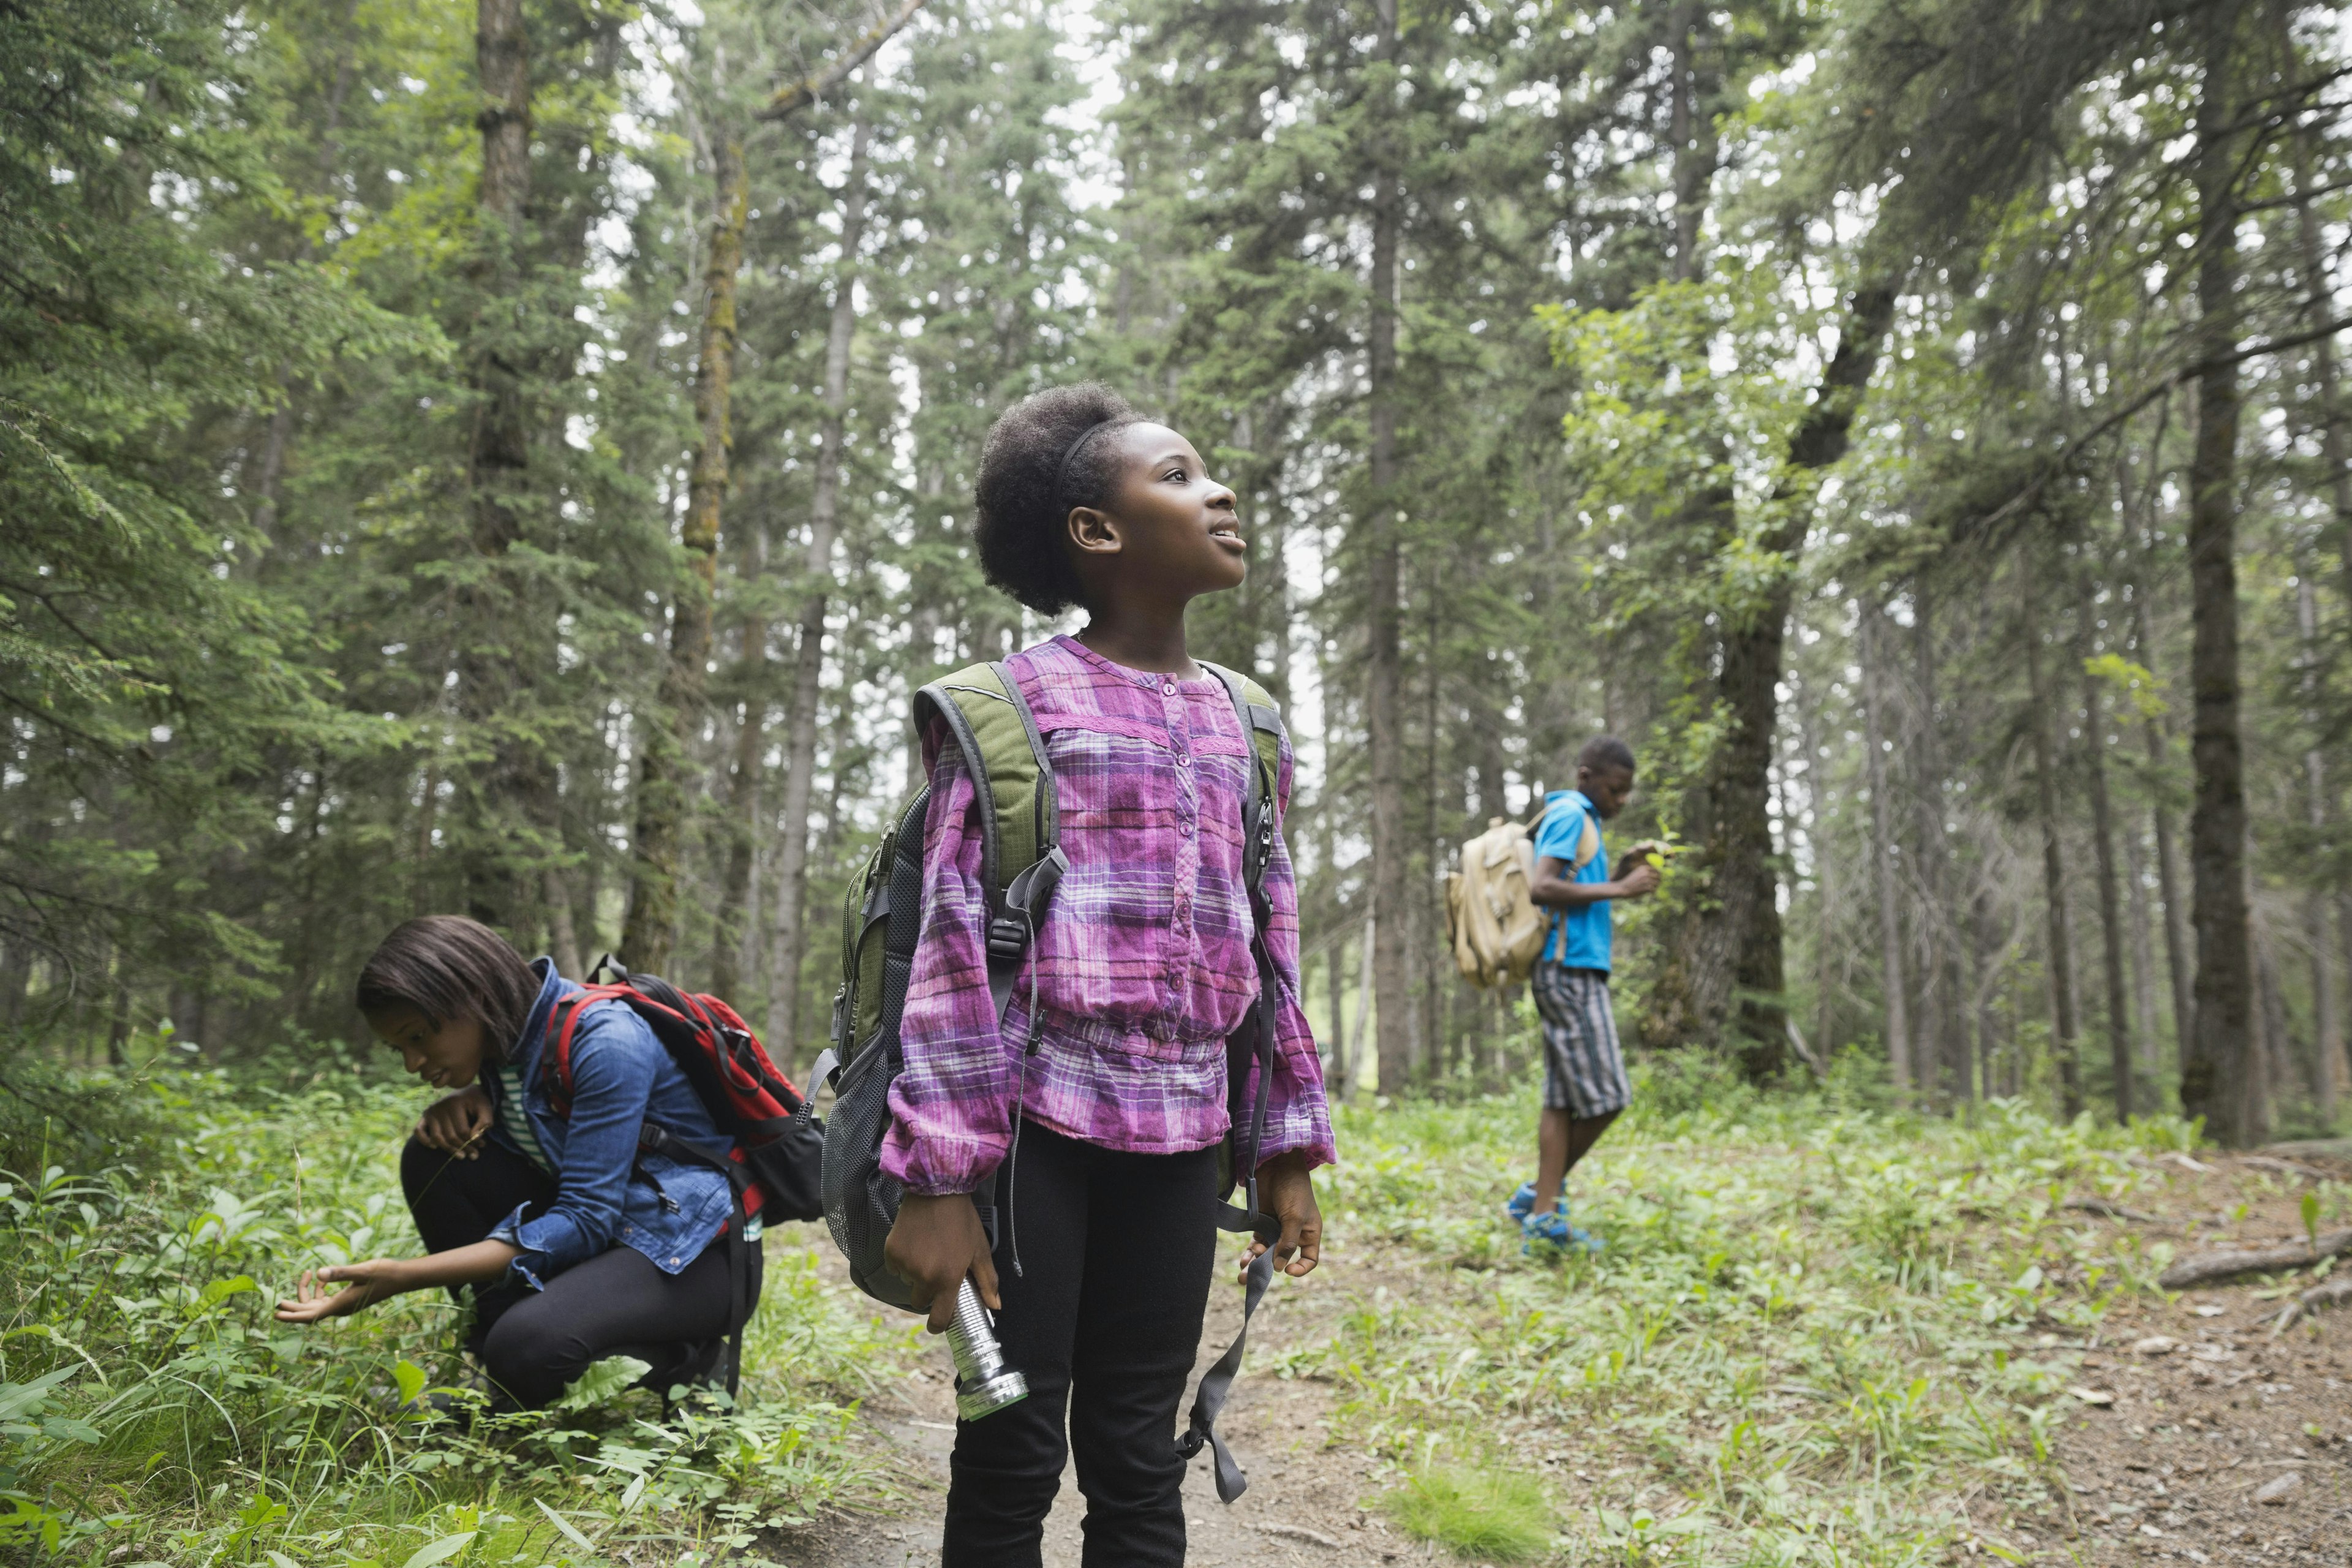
{"points": [[2187, 1464], [1301, 1506], [2224, 1444]]}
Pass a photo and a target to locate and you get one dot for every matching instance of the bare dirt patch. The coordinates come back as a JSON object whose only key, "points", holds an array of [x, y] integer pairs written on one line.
{"points": [[2224, 1444], [1306, 1484]]}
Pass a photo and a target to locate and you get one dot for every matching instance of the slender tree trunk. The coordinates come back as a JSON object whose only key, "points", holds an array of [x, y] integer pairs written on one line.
{"points": [[1882, 856], [489, 673], [2218, 1072], [2143, 949], [2274, 1060], [801, 714], [2329, 1035], [118, 1024], [2326, 1028], [2177, 970], [730, 952], [1384, 663], [2111, 920], [1367, 1002], [2063, 1030], [1825, 886], [1336, 960], [1943, 1032], [1984, 988], [651, 931]]}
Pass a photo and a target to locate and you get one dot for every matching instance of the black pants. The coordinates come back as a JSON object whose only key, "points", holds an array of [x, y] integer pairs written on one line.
{"points": [[1104, 1318], [533, 1342]]}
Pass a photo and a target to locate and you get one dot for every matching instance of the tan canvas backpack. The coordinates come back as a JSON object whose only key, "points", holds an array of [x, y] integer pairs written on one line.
{"points": [[1496, 927]]}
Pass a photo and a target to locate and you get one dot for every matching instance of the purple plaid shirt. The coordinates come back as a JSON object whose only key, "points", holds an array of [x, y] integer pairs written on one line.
{"points": [[1142, 966]]}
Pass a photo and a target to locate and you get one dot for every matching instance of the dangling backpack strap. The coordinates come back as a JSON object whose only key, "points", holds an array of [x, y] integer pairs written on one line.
{"points": [[1253, 1044]]}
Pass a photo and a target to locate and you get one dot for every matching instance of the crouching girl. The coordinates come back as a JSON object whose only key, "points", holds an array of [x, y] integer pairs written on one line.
{"points": [[579, 1244]]}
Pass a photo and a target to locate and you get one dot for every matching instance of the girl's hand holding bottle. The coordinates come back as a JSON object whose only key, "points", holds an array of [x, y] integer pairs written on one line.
{"points": [[1286, 1191], [936, 1244]]}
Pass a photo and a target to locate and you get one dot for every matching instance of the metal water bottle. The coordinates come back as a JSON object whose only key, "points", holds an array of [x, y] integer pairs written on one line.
{"points": [[984, 1384]]}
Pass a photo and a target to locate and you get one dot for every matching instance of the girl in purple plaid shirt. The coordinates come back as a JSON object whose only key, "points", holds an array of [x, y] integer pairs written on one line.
{"points": [[1141, 968]]}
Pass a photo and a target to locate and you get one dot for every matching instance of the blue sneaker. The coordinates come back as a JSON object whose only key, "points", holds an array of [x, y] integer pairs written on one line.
{"points": [[1521, 1204], [1554, 1234]]}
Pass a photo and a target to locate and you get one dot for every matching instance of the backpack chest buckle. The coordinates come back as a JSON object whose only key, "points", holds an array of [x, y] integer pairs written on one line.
{"points": [[1007, 937]]}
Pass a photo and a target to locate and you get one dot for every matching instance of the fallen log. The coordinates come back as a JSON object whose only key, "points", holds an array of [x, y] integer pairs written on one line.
{"points": [[2107, 1209], [2204, 1268]]}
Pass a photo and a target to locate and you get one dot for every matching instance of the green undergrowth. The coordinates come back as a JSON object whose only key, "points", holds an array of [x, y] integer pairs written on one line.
{"points": [[151, 1410], [1822, 1331], [1499, 1515]]}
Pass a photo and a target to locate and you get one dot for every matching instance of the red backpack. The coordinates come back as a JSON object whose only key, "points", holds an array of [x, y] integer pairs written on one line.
{"points": [[774, 1159]]}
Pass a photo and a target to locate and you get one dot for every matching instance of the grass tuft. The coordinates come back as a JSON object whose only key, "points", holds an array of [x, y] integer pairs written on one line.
{"points": [[1493, 1515]]}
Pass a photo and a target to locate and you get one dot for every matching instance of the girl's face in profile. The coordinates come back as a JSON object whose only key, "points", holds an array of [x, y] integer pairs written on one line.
{"points": [[447, 1056], [1168, 523]]}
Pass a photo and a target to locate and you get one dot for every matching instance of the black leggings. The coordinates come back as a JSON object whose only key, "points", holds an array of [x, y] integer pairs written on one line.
{"points": [[1116, 1252], [533, 1342]]}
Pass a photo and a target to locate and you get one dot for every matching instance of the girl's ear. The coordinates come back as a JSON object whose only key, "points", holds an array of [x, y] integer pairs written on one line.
{"points": [[1094, 532]]}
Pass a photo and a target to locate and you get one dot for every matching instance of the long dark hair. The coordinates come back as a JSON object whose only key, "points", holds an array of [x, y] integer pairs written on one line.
{"points": [[448, 967]]}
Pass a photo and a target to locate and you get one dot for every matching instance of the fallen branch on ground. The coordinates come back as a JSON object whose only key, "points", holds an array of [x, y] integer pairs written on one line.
{"points": [[2207, 1267], [2284, 1167], [2327, 1293], [2107, 1210]]}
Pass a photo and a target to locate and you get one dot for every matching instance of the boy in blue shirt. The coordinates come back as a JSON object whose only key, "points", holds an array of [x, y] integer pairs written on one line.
{"points": [[1584, 1070]]}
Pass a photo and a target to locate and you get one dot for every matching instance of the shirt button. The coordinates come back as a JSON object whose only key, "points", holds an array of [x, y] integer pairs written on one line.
{"points": [[1183, 761], [1185, 828], [673, 1263], [1168, 689]]}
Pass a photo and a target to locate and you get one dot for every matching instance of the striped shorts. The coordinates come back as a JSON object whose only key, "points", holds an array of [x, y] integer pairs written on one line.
{"points": [[1584, 1070]]}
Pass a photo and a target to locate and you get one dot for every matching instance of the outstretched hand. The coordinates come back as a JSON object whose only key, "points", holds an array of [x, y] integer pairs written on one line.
{"points": [[364, 1285], [1286, 1191]]}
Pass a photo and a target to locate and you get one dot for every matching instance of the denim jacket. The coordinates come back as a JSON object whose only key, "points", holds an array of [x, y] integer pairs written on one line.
{"points": [[607, 1191]]}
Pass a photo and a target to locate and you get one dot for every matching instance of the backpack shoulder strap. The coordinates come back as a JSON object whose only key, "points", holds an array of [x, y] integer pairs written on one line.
{"points": [[1262, 727], [555, 1074], [1588, 837], [1020, 821]]}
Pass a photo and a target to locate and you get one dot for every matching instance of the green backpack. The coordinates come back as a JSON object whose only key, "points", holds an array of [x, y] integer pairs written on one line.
{"points": [[1021, 863]]}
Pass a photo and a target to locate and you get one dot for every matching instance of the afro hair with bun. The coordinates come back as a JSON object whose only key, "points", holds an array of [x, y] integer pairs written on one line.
{"points": [[1025, 498]]}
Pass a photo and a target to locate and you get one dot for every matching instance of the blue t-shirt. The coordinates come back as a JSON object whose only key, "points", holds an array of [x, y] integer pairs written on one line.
{"points": [[1579, 936]]}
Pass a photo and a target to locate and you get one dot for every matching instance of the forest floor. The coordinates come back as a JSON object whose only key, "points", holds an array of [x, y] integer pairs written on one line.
{"points": [[2169, 1471], [1822, 1332]]}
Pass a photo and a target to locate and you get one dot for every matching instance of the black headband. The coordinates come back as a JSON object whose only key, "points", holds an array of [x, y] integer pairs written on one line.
{"points": [[1062, 474]]}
